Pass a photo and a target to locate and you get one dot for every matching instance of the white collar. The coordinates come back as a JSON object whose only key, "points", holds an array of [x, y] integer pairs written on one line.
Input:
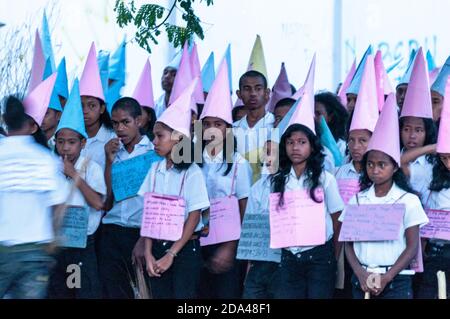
{"points": [[103, 135], [218, 159], [394, 193], [143, 142]]}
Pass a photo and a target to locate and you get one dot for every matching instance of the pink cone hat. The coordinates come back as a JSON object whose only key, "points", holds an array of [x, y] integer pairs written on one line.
{"points": [[196, 72], [37, 69], [36, 103], [346, 84], [384, 86], [90, 82], [418, 96], [281, 89], [443, 142], [385, 137], [143, 92], [218, 102], [365, 114], [183, 77]]}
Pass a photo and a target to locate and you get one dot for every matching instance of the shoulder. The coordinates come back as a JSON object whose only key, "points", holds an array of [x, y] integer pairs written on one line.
{"points": [[327, 178]]}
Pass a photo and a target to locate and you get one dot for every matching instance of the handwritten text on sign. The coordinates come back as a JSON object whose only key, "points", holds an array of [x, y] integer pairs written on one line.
{"points": [[127, 176], [439, 225], [372, 222], [348, 188], [255, 238], [299, 222], [163, 217], [224, 221], [74, 227]]}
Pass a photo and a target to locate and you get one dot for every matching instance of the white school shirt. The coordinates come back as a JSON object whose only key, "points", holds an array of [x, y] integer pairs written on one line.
{"points": [[438, 201], [93, 176], [346, 171], [170, 182], [95, 146], [328, 161], [332, 201], [249, 139], [30, 184], [421, 174], [342, 146], [386, 253], [128, 212], [160, 105], [220, 186]]}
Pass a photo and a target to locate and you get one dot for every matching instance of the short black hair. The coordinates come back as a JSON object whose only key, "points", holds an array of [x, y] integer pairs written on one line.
{"points": [[287, 101], [338, 114], [129, 105], [235, 111], [253, 74]]}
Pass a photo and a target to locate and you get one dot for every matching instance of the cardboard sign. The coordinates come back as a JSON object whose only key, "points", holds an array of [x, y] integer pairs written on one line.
{"points": [[439, 225], [348, 188], [74, 227]]}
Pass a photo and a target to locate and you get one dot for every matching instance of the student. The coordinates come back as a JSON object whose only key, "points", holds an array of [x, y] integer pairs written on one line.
{"points": [[327, 104], [437, 251], [49, 125], [31, 191], [174, 267], [281, 109], [239, 112], [120, 229], [226, 173], [87, 178], [96, 118], [417, 128], [167, 80], [382, 182], [438, 91]]}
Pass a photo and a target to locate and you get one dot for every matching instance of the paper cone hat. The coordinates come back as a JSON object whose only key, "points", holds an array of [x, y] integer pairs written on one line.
{"points": [[418, 97], [443, 142], [348, 79], [143, 92], [60, 88], [238, 102], [385, 137], [430, 61], [230, 73], [218, 103], [208, 73], [36, 103], [183, 77], [439, 84], [407, 75], [37, 68], [90, 82], [103, 65], [257, 61], [281, 89], [47, 43], [117, 64], [196, 72], [356, 81], [383, 84], [327, 140], [175, 62], [72, 117]]}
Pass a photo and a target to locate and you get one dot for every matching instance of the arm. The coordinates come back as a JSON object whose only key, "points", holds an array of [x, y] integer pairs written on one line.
{"points": [[411, 155], [359, 271], [111, 149], [336, 230], [149, 259], [242, 207]]}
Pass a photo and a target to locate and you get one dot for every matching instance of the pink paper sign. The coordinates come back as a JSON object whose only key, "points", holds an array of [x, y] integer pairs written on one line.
{"points": [[372, 222], [163, 217], [348, 188], [299, 222], [224, 221], [439, 225]]}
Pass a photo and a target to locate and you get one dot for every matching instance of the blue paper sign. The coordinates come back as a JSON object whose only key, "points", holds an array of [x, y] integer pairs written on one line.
{"points": [[74, 227], [127, 176]]}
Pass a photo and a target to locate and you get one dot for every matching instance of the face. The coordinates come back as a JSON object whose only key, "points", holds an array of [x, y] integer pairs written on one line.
{"points": [[92, 110], [214, 130], [400, 94], [357, 143], [445, 159], [320, 109], [280, 112], [380, 168], [298, 148], [241, 113], [438, 102], [125, 126], [351, 102], [271, 156], [69, 144], [51, 119], [253, 93], [168, 78], [163, 141], [145, 117], [413, 132]]}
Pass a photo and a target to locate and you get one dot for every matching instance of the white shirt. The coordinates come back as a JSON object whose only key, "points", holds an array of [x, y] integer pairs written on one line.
{"points": [[332, 200], [386, 253], [128, 213], [346, 171], [93, 176], [421, 174], [221, 186], [26, 214], [95, 146], [342, 145], [328, 162], [170, 182], [438, 201], [248, 138], [160, 105]]}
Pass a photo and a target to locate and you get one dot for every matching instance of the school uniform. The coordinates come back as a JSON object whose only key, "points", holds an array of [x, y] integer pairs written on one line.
{"points": [[120, 232], [310, 271], [342, 146], [421, 174], [95, 146], [249, 139], [346, 171], [30, 184], [52, 143], [437, 251], [160, 105], [236, 183], [86, 257], [263, 277], [182, 279], [328, 161], [385, 253]]}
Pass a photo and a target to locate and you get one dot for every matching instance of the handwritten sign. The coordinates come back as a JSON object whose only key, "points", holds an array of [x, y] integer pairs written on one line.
{"points": [[74, 227], [224, 221], [163, 217], [255, 239], [348, 188], [127, 176], [439, 225], [299, 222], [372, 222]]}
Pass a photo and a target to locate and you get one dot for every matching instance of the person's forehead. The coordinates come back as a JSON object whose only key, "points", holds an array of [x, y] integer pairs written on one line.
{"points": [[252, 81]]}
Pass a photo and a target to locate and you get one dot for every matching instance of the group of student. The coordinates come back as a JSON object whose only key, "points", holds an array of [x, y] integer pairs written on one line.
{"points": [[60, 154]]}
